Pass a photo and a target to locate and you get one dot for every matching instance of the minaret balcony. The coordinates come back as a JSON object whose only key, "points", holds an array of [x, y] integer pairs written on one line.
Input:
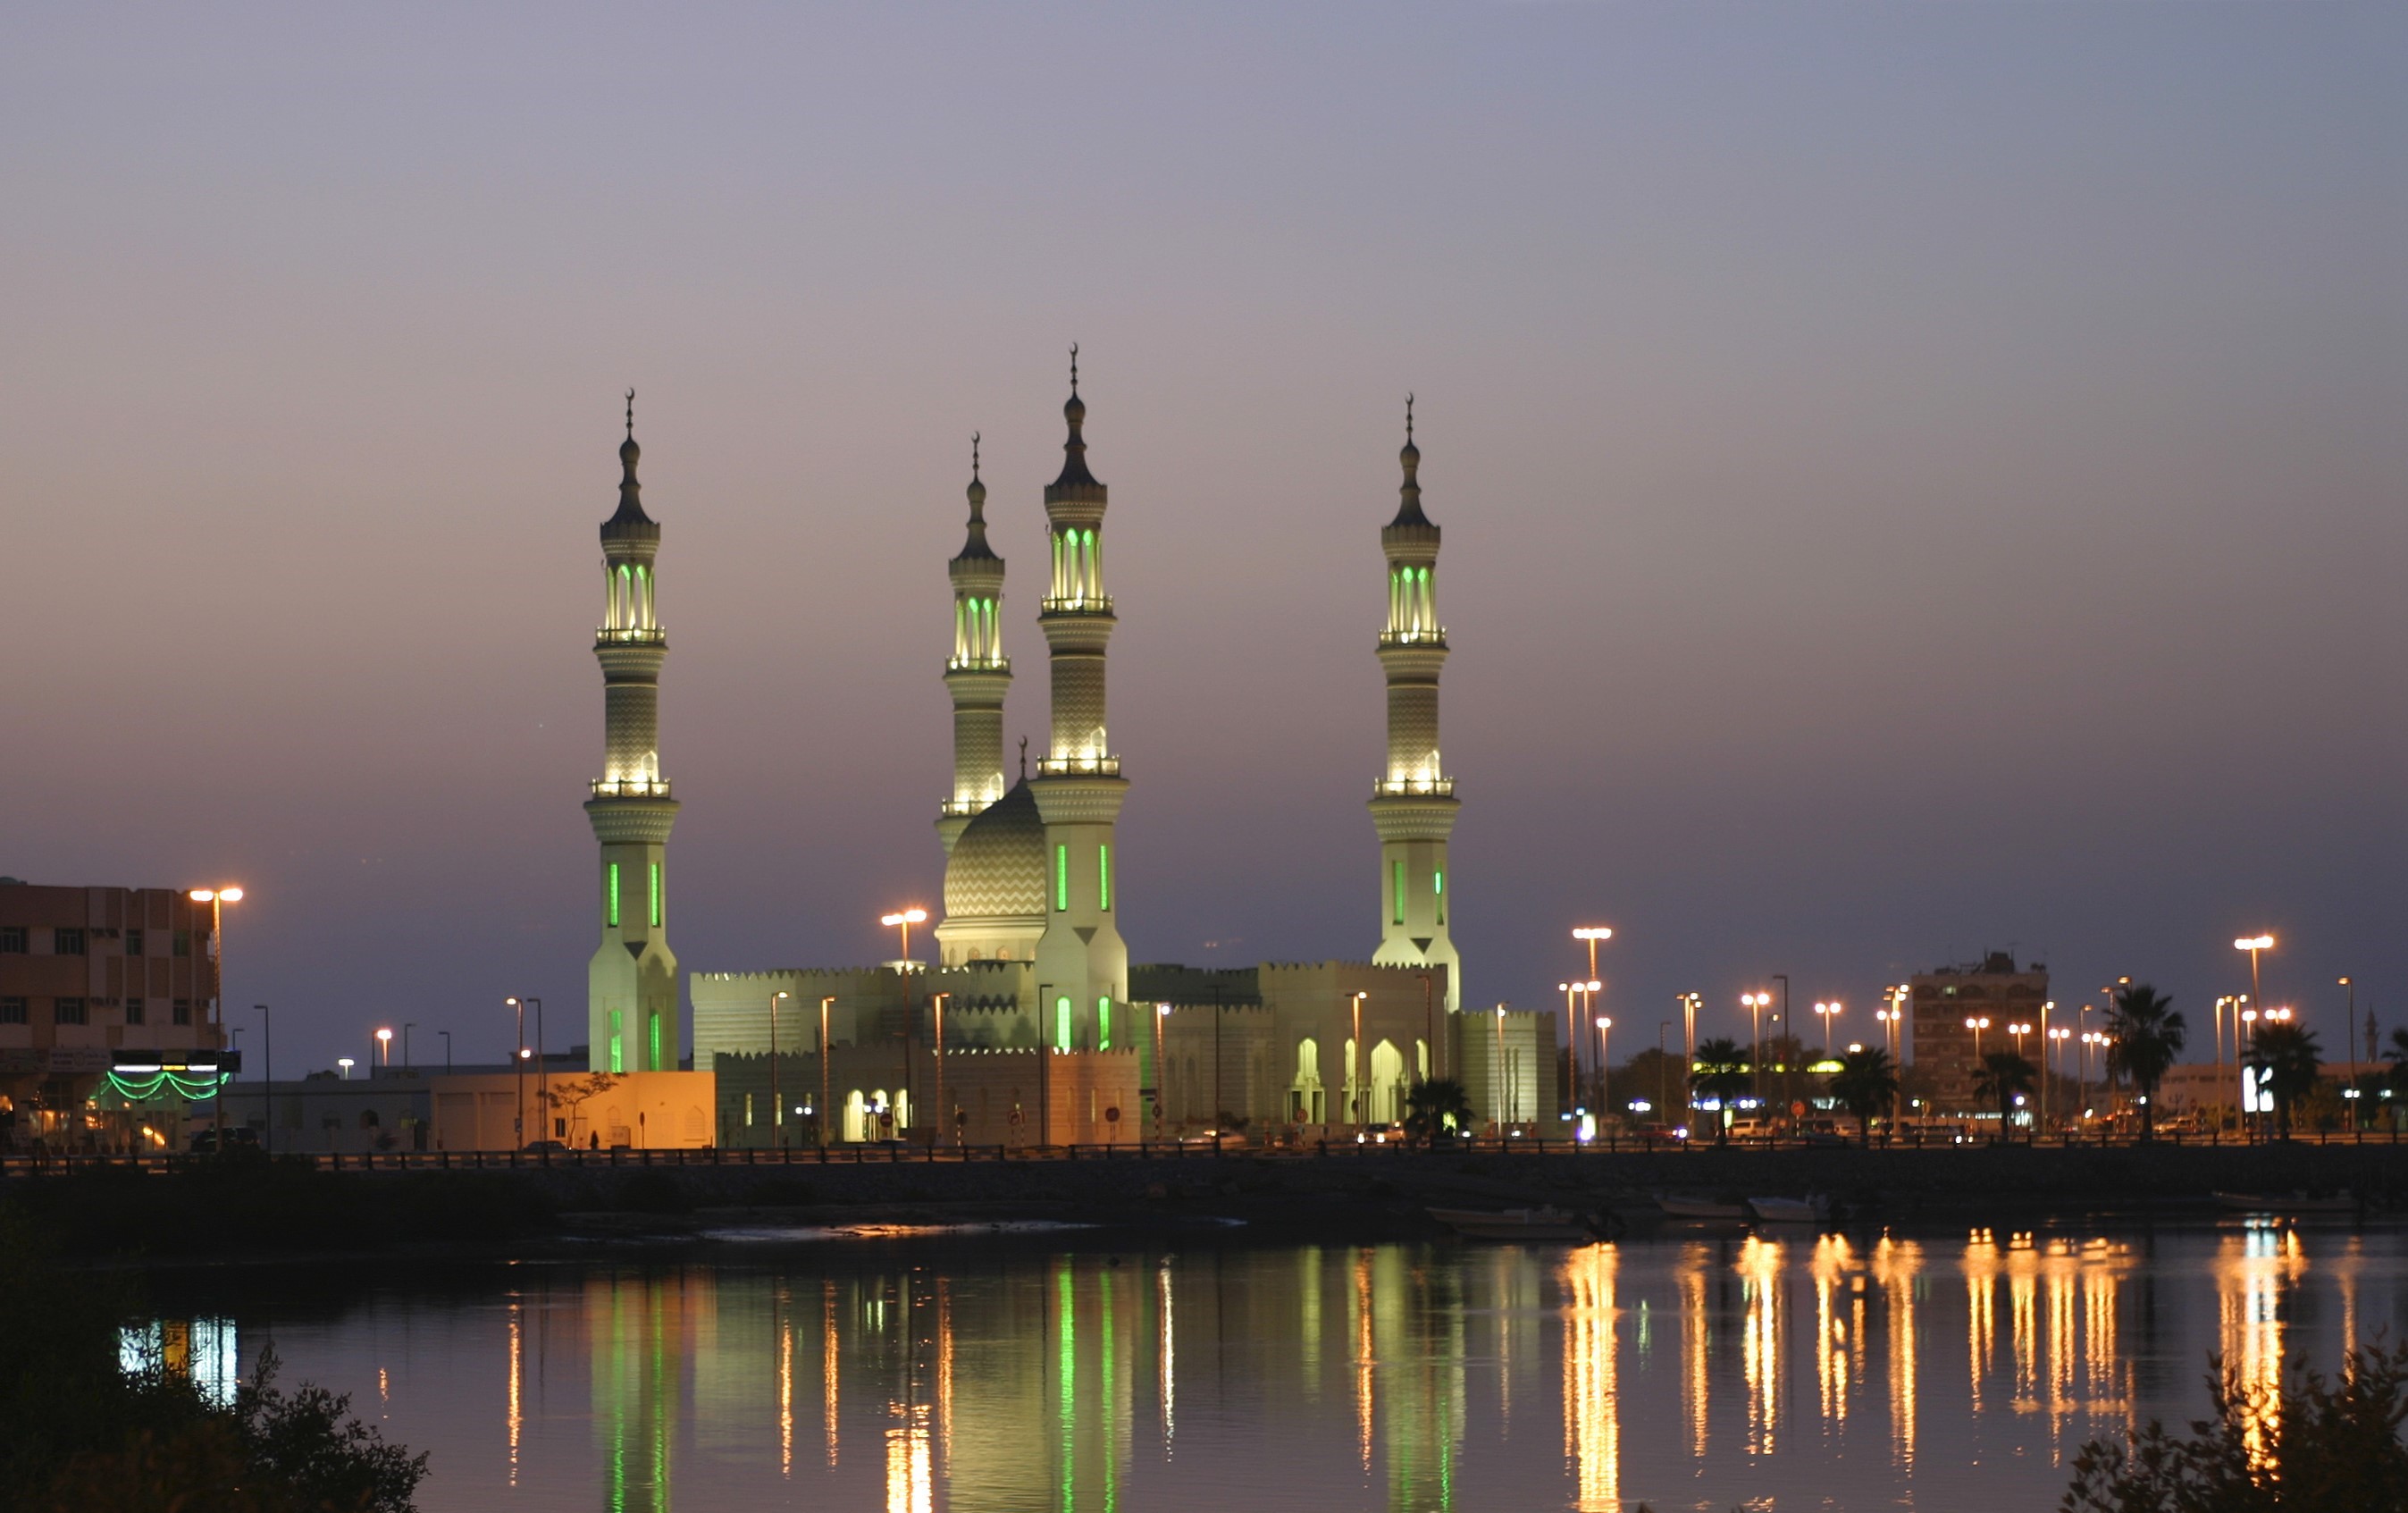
{"points": [[1078, 767], [1415, 638], [1413, 787], [1078, 604], [978, 664], [956, 808], [630, 636], [630, 788]]}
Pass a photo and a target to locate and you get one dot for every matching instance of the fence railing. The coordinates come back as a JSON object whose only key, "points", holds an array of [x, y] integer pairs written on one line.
{"points": [[18, 1163]]}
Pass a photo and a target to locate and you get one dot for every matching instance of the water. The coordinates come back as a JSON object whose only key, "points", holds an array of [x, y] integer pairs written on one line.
{"points": [[1690, 1370]]}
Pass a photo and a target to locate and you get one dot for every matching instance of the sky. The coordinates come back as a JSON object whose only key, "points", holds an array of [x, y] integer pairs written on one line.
{"points": [[1918, 479]]}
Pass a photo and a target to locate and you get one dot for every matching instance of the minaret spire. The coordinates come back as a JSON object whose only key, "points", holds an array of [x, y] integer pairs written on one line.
{"points": [[1413, 803], [978, 674], [631, 983], [1082, 963]]}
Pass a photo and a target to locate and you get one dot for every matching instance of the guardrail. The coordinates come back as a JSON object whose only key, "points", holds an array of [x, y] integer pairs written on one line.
{"points": [[51, 1164]]}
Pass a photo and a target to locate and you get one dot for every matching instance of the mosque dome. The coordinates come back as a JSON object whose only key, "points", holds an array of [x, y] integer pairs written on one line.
{"points": [[997, 867]]}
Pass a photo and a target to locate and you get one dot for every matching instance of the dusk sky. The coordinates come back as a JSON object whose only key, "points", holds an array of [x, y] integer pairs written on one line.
{"points": [[1916, 480]]}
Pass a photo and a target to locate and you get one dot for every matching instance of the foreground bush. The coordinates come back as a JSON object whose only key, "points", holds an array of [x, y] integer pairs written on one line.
{"points": [[2309, 1445], [86, 1430]]}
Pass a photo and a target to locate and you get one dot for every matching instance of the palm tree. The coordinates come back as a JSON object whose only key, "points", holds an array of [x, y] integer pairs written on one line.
{"points": [[1865, 1084], [2145, 1034], [2004, 1077], [2286, 1057], [1722, 1073], [1433, 1108]]}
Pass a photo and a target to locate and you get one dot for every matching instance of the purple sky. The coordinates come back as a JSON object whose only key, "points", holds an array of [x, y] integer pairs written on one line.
{"points": [[1916, 480]]}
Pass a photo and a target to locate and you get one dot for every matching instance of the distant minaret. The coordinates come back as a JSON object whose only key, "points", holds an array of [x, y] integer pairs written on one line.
{"points": [[630, 984], [1413, 803], [1082, 965], [977, 674]]}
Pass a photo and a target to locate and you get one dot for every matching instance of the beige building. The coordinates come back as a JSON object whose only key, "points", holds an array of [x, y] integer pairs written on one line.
{"points": [[1943, 1044]]}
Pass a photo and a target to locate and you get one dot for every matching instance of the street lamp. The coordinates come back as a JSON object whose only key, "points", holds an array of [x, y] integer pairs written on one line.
{"points": [[2052, 1040], [518, 1064], [2348, 1034], [1571, 1029], [1756, 1004], [777, 1103], [1977, 1025], [1827, 1010], [1593, 933], [345, 1064], [2019, 1031], [903, 920], [1604, 1062], [823, 1115], [1354, 1067], [384, 1048], [217, 899], [944, 1114], [1161, 1013]]}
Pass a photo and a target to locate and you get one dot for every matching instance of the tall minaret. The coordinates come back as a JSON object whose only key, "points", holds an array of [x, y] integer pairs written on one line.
{"points": [[1413, 803], [977, 674], [1082, 965], [631, 988]]}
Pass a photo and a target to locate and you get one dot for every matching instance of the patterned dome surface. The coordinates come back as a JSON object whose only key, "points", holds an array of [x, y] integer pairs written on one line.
{"points": [[997, 867]]}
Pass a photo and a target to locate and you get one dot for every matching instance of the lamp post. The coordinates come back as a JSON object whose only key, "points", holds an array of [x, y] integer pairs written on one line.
{"points": [[2254, 944], [518, 1064], [1572, 1031], [904, 919], [446, 1049], [2019, 1031], [1161, 1084], [1592, 934], [217, 899], [1604, 1062], [1826, 1009], [2052, 1042], [2349, 1031], [1756, 1005], [1977, 1025], [407, 1026], [343, 1065], [777, 1102], [543, 1067], [1502, 1111], [1690, 1003], [267, 1055], [944, 1114], [1354, 1068], [384, 1048], [824, 1115]]}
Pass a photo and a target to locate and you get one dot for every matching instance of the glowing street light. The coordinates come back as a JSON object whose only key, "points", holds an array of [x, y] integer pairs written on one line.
{"points": [[1354, 1067], [345, 1063], [1827, 1010], [2019, 1031], [1977, 1025], [1604, 1060], [1593, 933], [777, 1104], [1756, 1004], [823, 1115], [2254, 944], [904, 919], [384, 1048], [217, 899]]}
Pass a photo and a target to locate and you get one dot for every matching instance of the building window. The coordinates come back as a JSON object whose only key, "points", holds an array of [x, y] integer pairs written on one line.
{"points": [[12, 1011], [1104, 877], [652, 1040], [183, 946], [1396, 892], [656, 901], [12, 940], [183, 1013], [65, 941], [1062, 1024], [134, 1011], [68, 1011], [1061, 878], [618, 1061], [1437, 892], [1103, 1024], [612, 920], [134, 942]]}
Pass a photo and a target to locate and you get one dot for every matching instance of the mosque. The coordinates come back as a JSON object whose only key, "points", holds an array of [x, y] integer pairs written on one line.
{"points": [[1032, 1025]]}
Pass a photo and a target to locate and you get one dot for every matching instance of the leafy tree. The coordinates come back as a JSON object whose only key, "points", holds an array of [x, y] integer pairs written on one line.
{"points": [[2285, 1056], [1721, 1072], [1434, 1108], [1866, 1085], [2145, 1035], [2005, 1076], [570, 1095], [2306, 1444]]}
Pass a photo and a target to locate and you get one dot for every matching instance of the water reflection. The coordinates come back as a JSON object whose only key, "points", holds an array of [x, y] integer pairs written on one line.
{"points": [[1690, 1370]]}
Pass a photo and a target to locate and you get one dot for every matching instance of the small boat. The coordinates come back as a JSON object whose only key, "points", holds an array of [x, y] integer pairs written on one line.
{"points": [[1790, 1210], [1514, 1223], [2296, 1202], [1678, 1207]]}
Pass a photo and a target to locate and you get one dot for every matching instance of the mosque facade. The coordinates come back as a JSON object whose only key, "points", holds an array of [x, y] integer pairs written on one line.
{"points": [[1031, 1026]]}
